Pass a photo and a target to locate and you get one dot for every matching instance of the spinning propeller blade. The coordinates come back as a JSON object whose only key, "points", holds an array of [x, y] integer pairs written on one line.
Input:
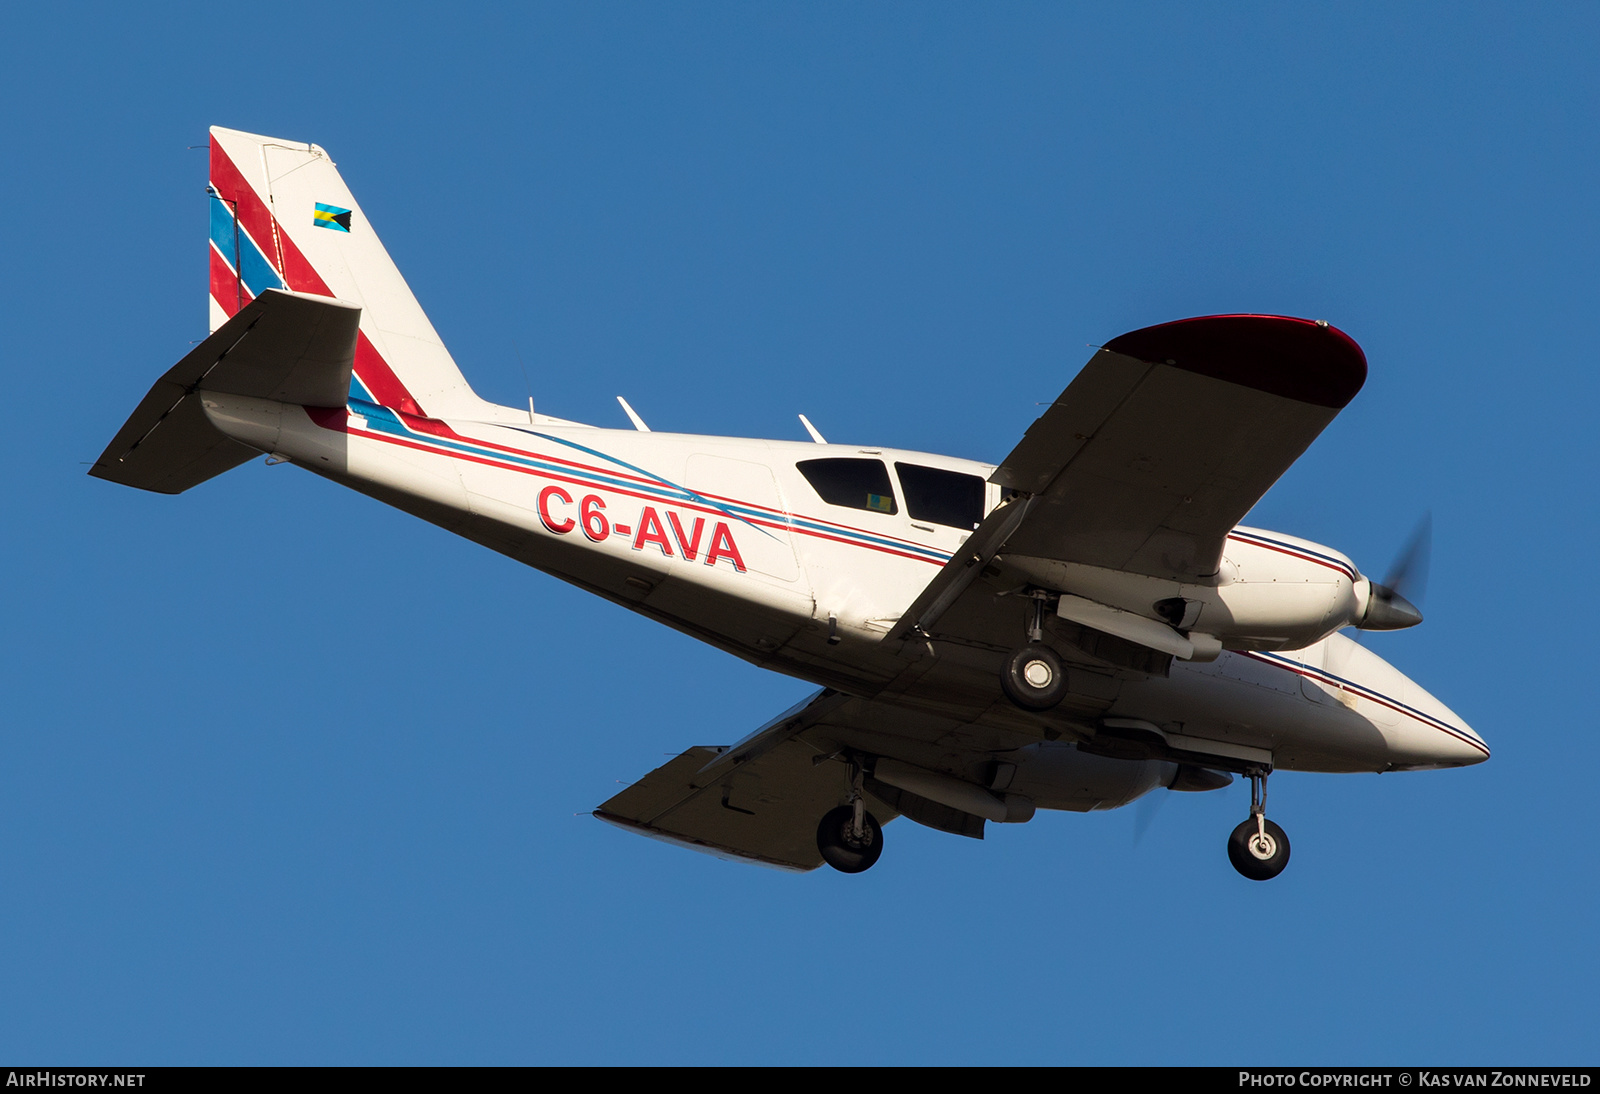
{"points": [[1145, 813], [1392, 605]]}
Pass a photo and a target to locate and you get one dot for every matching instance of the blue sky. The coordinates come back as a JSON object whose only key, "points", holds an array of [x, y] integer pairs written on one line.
{"points": [[287, 776]]}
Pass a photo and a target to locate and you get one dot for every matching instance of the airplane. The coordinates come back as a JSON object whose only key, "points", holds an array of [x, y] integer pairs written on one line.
{"points": [[1072, 628]]}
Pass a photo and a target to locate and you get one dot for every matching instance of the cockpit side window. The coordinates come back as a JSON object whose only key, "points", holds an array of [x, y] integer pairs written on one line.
{"points": [[856, 484], [941, 497]]}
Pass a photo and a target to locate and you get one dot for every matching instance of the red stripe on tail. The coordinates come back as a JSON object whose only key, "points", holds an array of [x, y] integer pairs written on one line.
{"points": [[226, 289]]}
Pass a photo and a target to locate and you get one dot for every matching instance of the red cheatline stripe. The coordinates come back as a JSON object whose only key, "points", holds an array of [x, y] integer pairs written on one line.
{"points": [[577, 480], [438, 428], [299, 275], [338, 420], [1285, 549]]}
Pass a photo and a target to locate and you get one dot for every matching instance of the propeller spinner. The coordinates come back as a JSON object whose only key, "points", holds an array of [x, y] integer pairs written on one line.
{"points": [[1388, 608]]}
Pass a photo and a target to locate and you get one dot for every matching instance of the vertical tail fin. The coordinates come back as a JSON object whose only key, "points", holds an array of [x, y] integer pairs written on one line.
{"points": [[281, 217]]}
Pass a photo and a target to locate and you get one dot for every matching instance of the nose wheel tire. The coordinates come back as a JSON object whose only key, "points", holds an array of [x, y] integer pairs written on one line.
{"points": [[845, 849], [1034, 677], [1258, 849]]}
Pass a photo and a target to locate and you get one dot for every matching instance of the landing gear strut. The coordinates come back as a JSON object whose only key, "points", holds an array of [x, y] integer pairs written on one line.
{"points": [[849, 837], [1034, 677], [1258, 848]]}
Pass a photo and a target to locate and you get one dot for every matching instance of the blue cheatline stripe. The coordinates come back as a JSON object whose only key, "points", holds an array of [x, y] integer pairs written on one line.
{"points": [[734, 510], [359, 392], [383, 420], [259, 275], [683, 492]]}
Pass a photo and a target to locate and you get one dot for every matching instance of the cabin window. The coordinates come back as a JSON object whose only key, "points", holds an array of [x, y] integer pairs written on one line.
{"points": [[855, 484], [941, 497]]}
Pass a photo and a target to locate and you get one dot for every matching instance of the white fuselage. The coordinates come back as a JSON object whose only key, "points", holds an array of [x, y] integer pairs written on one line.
{"points": [[725, 539]]}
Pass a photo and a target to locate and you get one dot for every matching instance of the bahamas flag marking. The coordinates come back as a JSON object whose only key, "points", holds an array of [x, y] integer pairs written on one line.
{"points": [[331, 216]]}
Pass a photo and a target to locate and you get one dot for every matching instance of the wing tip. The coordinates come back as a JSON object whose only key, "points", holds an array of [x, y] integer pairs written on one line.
{"points": [[1328, 370]]}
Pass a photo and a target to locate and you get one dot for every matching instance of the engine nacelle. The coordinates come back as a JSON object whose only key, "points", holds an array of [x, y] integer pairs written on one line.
{"points": [[1271, 592], [1057, 775]]}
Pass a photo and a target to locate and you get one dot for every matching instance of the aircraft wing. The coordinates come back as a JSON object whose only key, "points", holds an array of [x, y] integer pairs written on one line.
{"points": [[766, 811], [760, 799], [1159, 448]]}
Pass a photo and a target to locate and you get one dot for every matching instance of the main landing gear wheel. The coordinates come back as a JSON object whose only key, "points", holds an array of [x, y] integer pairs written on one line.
{"points": [[844, 845], [1034, 677], [1258, 848]]}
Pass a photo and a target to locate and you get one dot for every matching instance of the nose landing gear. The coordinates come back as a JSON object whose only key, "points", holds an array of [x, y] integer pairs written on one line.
{"points": [[1258, 848]]}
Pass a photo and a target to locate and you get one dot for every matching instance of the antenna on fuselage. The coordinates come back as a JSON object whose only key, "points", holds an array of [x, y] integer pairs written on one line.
{"points": [[811, 429], [638, 422], [527, 383]]}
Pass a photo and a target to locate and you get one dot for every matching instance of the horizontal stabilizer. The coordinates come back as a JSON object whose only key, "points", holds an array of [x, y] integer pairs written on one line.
{"points": [[284, 346]]}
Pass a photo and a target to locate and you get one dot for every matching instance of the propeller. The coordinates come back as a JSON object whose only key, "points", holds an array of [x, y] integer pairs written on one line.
{"points": [[1392, 605], [1145, 813]]}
